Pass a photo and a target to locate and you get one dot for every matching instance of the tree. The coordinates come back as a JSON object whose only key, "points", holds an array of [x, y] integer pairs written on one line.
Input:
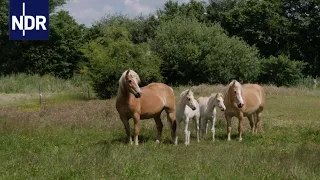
{"points": [[60, 55], [281, 71], [113, 53], [194, 53], [289, 27], [192, 9], [17, 56]]}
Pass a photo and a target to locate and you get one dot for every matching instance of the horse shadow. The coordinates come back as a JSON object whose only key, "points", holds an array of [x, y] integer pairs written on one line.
{"points": [[142, 140]]}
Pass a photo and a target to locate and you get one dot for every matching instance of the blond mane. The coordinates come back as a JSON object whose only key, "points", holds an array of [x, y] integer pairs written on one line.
{"points": [[183, 93], [122, 80]]}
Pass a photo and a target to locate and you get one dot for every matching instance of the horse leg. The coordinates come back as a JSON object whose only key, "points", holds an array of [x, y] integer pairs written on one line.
{"points": [[171, 116], [213, 130], [240, 127], [207, 125], [251, 120], [258, 122], [159, 128], [228, 119], [125, 122], [136, 119], [197, 129], [186, 131]]}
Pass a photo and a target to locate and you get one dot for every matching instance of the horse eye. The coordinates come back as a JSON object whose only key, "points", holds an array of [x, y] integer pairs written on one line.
{"points": [[130, 81], [235, 92], [218, 101], [188, 99]]}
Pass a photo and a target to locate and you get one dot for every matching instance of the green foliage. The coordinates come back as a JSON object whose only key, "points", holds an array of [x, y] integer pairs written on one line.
{"points": [[274, 26], [193, 52], [60, 56], [281, 71], [193, 9], [110, 55], [141, 28], [57, 56], [257, 22]]}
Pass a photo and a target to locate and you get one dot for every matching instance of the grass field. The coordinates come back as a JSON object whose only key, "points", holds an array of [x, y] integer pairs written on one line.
{"points": [[67, 138]]}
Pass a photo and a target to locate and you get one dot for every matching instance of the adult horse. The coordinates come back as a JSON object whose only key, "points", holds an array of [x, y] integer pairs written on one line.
{"points": [[144, 103], [246, 100]]}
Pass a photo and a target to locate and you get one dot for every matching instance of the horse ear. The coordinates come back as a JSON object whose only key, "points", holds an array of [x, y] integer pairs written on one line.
{"points": [[127, 72], [188, 91]]}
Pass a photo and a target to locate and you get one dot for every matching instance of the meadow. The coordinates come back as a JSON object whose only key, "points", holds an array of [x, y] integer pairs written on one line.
{"points": [[72, 137]]}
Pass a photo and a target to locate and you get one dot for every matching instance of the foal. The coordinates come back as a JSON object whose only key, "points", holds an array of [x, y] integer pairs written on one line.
{"points": [[187, 108], [208, 111]]}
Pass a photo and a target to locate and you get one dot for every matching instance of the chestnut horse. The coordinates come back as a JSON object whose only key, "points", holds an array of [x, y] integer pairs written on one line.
{"points": [[246, 100], [144, 103]]}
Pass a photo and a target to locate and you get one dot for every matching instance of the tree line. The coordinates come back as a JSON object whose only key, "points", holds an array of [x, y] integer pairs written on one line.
{"points": [[266, 41]]}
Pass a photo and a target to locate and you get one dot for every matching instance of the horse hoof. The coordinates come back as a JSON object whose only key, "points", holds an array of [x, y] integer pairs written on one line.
{"points": [[157, 141]]}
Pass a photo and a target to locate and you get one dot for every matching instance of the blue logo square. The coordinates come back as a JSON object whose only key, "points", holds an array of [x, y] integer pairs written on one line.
{"points": [[29, 20]]}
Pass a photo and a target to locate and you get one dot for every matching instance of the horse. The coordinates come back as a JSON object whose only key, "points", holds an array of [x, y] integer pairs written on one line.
{"points": [[144, 103], [208, 111], [187, 108], [246, 100]]}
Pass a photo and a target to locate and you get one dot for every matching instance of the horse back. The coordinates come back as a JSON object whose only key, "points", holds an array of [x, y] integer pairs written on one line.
{"points": [[254, 96], [157, 95]]}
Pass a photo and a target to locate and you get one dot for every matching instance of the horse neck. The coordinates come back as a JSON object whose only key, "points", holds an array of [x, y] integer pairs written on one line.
{"points": [[123, 94], [211, 105], [182, 105]]}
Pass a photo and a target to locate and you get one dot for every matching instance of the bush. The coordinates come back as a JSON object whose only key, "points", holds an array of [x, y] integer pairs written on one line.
{"points": [[281, 71], [110, 55], [193, 52]]}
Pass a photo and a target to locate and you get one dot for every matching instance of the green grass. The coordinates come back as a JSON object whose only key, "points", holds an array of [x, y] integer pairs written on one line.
{"points": [[22, 89], [84, 140], [22, 83]]}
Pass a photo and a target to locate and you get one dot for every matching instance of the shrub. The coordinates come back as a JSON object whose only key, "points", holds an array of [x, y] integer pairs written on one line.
{"points": [[281, 71], [110, 55], [193, 52]]}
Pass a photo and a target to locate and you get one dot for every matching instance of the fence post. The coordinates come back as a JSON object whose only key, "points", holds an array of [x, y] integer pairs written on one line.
{"points": [[88, 92], [40, 95], [315, 83]]}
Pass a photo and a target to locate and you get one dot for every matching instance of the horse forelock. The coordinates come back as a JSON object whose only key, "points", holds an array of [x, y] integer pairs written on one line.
{"points": [[235, 83], [218, 95], [122, 80]]}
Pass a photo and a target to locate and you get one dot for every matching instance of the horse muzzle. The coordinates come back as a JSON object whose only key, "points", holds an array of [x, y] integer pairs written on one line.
{"points": [[193, 108], [222, 109], [137, 94], [240, 105]]}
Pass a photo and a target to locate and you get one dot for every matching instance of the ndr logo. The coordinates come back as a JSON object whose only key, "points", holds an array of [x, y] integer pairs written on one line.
{"points": [[29, 20]]}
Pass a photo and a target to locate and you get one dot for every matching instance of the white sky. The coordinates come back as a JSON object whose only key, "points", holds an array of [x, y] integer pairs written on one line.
{"points": [[88, 11]]}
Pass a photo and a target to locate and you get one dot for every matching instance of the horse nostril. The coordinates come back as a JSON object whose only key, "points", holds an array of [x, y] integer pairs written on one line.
{"points": [[138, 95]]}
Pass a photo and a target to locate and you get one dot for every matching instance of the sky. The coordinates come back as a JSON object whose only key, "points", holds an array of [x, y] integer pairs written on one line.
{"points": [[88, 11]]}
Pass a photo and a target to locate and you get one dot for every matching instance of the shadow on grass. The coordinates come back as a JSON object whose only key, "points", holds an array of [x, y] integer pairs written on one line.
{"points": [[142, 140]]}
